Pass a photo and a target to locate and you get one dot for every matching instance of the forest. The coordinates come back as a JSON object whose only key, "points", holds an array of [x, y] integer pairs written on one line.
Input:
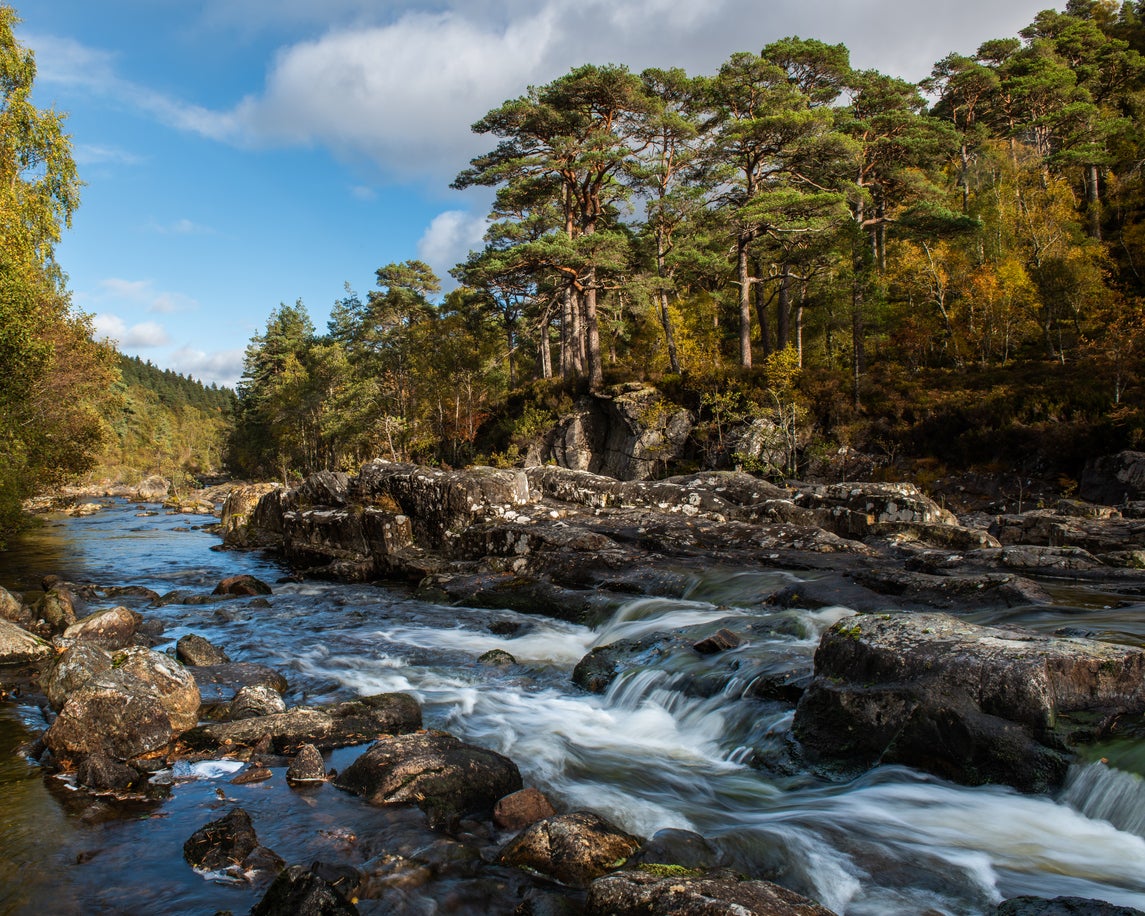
{"points": [[949, 269]]}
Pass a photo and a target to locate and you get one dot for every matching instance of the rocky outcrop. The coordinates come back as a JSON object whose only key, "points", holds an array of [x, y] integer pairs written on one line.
{"points": [[630, 433], [1114, 479], [1063, 906], [442, 775], [660, 892], [969, 703], [237, 523]]}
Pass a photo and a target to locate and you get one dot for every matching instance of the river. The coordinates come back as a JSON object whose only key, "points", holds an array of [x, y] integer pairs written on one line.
{"points": [[651, 753]]}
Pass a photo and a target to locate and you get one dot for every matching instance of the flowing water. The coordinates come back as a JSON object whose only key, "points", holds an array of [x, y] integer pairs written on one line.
{"points": [[669, 745]]}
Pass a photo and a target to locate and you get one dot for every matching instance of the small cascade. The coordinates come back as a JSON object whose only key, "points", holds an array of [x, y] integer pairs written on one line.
{"points": [[1103, 793]]}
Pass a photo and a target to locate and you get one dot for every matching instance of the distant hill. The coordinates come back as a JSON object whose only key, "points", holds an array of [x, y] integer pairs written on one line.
{"points": [[164, 423]]}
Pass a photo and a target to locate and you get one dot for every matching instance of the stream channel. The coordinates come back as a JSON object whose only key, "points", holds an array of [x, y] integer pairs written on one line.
{"points": [[653, 752]]}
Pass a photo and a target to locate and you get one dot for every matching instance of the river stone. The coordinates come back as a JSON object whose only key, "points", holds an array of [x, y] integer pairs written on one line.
{"points": [[442, 775], [719, 641], [73, 668], [220, 683], [244, 585], [635, 892], [115, 714], [251, 702], [174, 684], [297, 891], [496, 658], [1062, 906], [674, 846], [571, 849], [968, 703], [14, 610], [104, 775], [222, 843], [113, 628], [307, 767], [57, 609], [195, 650], [19, 647], [520, 809]]}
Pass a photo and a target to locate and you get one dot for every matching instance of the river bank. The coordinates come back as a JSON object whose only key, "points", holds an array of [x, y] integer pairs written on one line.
{"points": [[673, 741]]}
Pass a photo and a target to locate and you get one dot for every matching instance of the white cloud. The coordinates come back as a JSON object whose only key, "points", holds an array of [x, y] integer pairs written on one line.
{"points": [[449, 238], [142, 293], [142, 336], [90, 154], [182, 227], [223, 367]]}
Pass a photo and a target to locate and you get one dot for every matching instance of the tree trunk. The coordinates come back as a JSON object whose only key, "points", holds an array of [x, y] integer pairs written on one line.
{"points": [[744, 303], [762, 301], [665, 315], [783, 314], [1093, 200]]}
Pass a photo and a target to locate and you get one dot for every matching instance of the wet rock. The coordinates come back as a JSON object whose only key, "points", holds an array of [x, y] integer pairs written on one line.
{"points": [[442, 775], [255, 772], [222, 843], [252, 702], [221, 683], [244, 585], [1113, 479], [496, 658], [339, 725], [1062, 906], [720, 641], [571, 849], [307, 767], [104, 775], [113, 628], [649, 893], [596, 671], [673, 846], [968, 703], [73, 668], [520, 809], [19, 647], [297, 891], [953, 591], [195, 650]]}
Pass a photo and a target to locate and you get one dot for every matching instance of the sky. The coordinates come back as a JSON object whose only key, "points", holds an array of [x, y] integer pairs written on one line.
{"points": [[240, 154]]}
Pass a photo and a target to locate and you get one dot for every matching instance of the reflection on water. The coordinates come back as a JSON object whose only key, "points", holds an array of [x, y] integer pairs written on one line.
{"points": [[668, 745]]}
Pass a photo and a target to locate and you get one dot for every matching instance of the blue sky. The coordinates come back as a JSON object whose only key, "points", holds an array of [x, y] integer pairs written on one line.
{"points": [[242, 153]]}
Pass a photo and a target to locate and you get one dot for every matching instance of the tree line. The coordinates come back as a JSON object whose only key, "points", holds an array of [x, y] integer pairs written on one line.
{"points": [[667, 225]]}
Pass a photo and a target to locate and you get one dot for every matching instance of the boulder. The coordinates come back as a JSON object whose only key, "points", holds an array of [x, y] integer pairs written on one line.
{"points": [[298, 891], [153, 489], [520, 809], [174, 684], [57, 609], [969, 703], [243, 586], [73, 668], [103, 775], [660, 892], [19, 647], [195, 650], [252, 702], [1113, 479], [720, 641], [496, 658], [113, 628], [442, 775], [572, 849], [225, 843], [15, 611]]}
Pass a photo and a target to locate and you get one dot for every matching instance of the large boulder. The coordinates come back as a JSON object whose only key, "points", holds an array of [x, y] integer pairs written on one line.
{"points": [[71, 669], [571, 849], [660, 892], [15, 611], [153, 489], [174, 683], [19, 647], [969, 703], [441, 774]]}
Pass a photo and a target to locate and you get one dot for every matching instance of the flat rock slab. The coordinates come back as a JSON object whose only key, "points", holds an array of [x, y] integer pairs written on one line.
{"points": [[969, 703]]}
